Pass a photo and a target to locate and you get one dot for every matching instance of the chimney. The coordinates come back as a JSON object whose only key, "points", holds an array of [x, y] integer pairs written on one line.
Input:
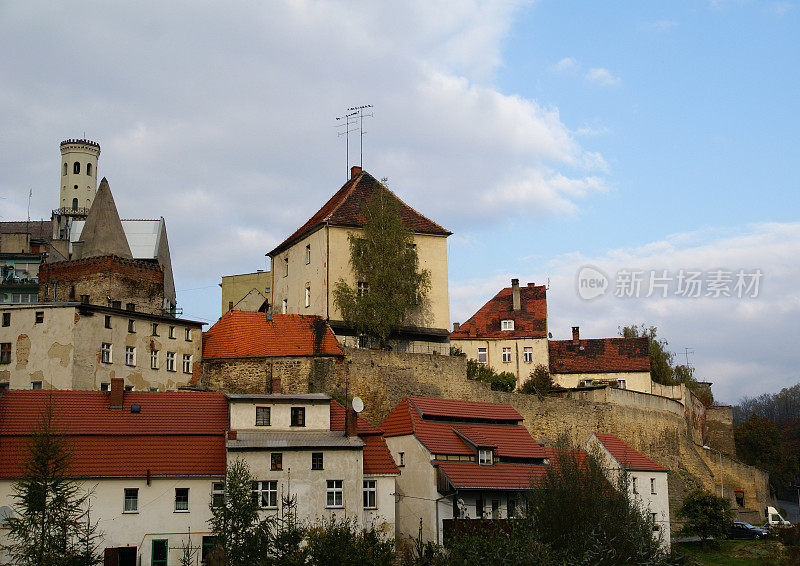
{"points": [[576, 335], [455, 326], [515, 293], [351, 423], [355, 170], [117, 392]]}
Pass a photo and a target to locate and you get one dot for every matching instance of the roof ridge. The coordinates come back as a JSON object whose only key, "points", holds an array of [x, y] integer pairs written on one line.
{"points": [[405, 203]]}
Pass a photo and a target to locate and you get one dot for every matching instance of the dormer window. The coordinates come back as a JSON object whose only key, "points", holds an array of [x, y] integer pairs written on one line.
{"points": [[507, 324], [484, 457]]}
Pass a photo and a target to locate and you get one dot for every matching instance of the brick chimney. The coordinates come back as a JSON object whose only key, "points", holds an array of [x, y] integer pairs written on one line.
{"points": [[355, 170], [455, 326], [117, 392], [351, 423], [515, 293], [576, 335]]}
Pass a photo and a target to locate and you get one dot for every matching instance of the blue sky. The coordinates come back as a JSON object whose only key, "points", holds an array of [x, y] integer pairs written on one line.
{"points": [[546, 135]]}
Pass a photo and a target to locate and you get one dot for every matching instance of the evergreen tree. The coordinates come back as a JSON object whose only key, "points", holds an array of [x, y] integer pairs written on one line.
{"points": [[384, 261]]}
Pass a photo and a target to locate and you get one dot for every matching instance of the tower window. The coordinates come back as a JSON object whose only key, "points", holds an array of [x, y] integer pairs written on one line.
{"points": [[88, 168], [76, 167], [65, 168], [74, 204]]}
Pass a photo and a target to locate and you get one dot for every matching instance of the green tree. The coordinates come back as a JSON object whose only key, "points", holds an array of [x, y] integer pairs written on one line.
{"points": [[758, 443], [52, 525], [239, 530], [705, 515], [661, 359], [539, 382], [384, 261], [340, 542], [503, 381]]}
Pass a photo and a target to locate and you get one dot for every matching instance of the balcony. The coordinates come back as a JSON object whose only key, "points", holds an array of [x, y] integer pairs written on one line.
{"points": [[71, 211]]}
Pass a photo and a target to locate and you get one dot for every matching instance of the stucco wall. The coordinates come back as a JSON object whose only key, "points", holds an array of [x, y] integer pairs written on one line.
{"points": [[292, 285], [635, 381], [235, 287], [494, 349]]}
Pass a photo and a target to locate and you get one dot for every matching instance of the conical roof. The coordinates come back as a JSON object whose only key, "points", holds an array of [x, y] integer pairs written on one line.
{"points": [[103, 234]]}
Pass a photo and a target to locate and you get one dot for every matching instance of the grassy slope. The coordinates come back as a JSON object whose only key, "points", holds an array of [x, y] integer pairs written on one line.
{"points": [[734, 552]]}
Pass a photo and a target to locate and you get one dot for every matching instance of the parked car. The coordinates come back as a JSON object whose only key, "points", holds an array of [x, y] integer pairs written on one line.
{"points": [[740, 530]]}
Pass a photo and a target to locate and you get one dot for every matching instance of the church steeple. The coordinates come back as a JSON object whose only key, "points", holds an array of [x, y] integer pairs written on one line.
{"points": [[103, 234]]}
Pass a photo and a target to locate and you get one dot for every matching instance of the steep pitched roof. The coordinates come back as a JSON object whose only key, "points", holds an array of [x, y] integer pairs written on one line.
{"points": [[102, 233], [626, 456], [601, 355], [344, 209], [376, 456], [175, 433], [472, 410], [244, 334], [471, 475], [38, 229], [529, 322]]}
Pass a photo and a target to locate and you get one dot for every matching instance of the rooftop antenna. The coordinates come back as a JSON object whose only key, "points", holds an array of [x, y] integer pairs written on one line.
{"points": [[686, 352], [28, 222], [349, 119], [360, 113]]}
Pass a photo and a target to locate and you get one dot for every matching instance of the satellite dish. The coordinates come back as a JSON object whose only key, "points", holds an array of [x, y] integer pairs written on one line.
{"points": [[358, 404]]}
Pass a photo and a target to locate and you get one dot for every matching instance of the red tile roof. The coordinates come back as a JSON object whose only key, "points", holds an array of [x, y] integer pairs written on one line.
{"points": [[602, 355], [243, 334], [377, 458], [343, 209], [175, 433], [511, 440], [529, 322], [474, 410], [337, 420], [627, 457], [466, 475]]}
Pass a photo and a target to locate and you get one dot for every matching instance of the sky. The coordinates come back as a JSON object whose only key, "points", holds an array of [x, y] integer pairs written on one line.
{"points": [[650, 141]]}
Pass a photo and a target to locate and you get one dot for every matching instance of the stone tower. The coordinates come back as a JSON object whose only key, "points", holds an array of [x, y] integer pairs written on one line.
{"points": [[78, 175]]}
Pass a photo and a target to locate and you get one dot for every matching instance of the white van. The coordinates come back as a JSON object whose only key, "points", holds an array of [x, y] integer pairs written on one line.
{"points": [[774, 519]]}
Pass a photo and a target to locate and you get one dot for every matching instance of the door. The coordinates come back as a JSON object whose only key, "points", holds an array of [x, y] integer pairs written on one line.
{"points": [[159, 555]]}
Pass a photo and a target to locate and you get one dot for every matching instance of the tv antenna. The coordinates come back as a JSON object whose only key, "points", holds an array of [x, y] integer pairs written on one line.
{"points": [[361, 115], [349, 119], [686, 352]]}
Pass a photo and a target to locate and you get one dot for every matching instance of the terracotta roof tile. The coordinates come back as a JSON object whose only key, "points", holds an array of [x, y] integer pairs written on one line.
{"points": [[601, 355], [343, 209], [474, 410], [465, 475], [377, 458], [529, 322], [627, 457], [243, 334], [337, 420]]}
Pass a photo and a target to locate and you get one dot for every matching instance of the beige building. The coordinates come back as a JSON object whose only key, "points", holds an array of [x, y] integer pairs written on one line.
{"points": [[247, 292], [509, 332], [83, 346], [307, 456], [307, 265]]}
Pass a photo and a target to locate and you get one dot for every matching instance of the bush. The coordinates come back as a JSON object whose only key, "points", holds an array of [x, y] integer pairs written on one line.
{"points": [[539, 382], [504, 381], [705, 515], [342, 543]]}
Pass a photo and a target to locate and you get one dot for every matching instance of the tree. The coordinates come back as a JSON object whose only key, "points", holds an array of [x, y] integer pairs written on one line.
{"points": [[503, 381], [661, 359], [539, 382], [758, 443], [390, 283], [53, 523], [188, 551], [706, 515], [239, 530]]}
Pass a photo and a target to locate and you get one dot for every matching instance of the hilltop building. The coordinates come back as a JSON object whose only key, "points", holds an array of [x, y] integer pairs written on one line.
{"points": [[247, 292]]}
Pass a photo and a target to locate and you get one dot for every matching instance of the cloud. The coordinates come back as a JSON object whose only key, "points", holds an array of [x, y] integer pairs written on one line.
{"points": [[602, 76], [567, 64], [745, 346], [658, 26]]}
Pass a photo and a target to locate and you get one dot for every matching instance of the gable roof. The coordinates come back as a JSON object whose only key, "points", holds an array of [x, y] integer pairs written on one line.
{"points": [[601, 355], [376, 456], [471, 475], [343, 209], [38, 229], [175, 433], [529, 322], [102, 233], [626, 456], [245, 334], [472, 410]]}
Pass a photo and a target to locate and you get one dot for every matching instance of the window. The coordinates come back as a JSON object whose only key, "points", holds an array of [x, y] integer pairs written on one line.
{"points": [[172, 332], [266, 494], [105, 353], [116, 304], [208, 545], [85, 299], [370, 492], [484, 457], [739, 495], [654, 517], [170, 361], [153, 359], [75, 202], [511, 507], [362, 288], [160, 551], [181, 499], [286, 266], [276, 461], [130, 306], [262, 416], [4, 386], [653, 486], [88, 168], [65, 168], [5, 352], [316, 460], [298, 416], [506, 354], [108, 321], [506, 325], [334, 495], [218, 494], [36, 385], [131, 325], [308, 297], [402, 458], [6, 319], [527, 354], [105, 386], [284, 306], [39, 317], [129, 388], [76, 167], [308, 254], [187, 334], [621, 383], [635, 484], [187, 363], [131, 500], [482, 358], [130, 356]]}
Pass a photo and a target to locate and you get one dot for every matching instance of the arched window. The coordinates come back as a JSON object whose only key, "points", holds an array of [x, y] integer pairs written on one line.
{"points": [[74, 204], [65, 168], [88, 168], [76, 168]]}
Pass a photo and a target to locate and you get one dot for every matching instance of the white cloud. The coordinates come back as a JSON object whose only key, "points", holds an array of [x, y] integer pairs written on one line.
{"points": [[658, 26], [602, 76], [567, 64], [745, 346]]}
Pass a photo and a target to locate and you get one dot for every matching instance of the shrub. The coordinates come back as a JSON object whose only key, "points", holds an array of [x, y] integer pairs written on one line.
{"points": [[504, 381], [540, 381], [705, 515], [342, 543]]}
